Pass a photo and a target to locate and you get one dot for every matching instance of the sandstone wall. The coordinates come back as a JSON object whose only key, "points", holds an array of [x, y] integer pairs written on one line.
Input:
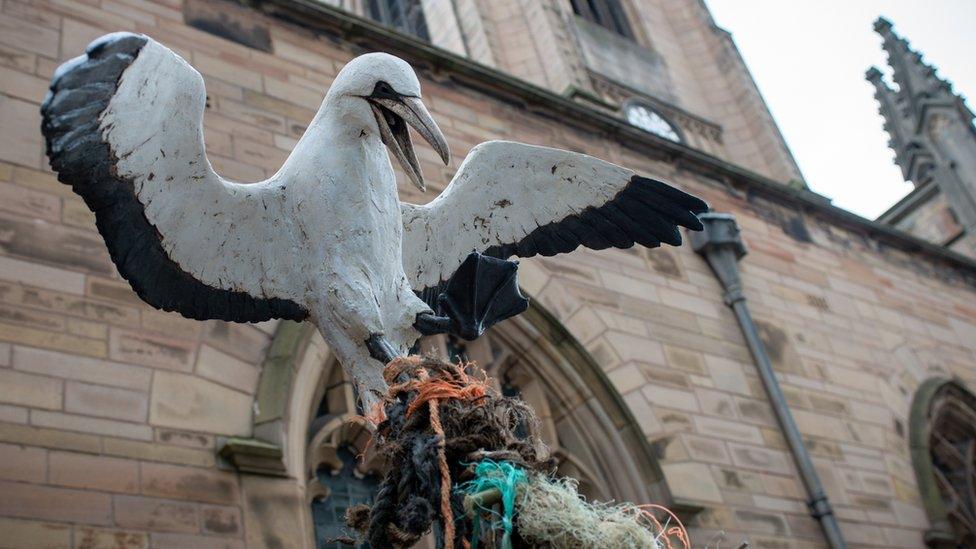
{"points": [[111, 413]]}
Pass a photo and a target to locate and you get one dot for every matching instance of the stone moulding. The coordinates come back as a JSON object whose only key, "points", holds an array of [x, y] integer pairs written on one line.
{"points": [[940, 534]]}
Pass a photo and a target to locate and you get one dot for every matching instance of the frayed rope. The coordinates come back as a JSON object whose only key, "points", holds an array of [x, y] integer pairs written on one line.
{"points": [[501, 476]]}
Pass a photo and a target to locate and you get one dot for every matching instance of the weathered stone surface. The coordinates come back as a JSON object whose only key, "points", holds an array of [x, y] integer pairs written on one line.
{"points": [[190, 483], [692, 481], [273, 513], [110, 402], [22, 463], [187, 402], [150, 350], [157, 515], [29, 534], [55, 504], [63, 365], [93, 472], [99, 538]]}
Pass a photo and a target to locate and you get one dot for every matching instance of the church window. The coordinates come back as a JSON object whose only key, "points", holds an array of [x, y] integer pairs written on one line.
{"points": [[943, 444], [404, 15], [609, 14], [647, 119]]}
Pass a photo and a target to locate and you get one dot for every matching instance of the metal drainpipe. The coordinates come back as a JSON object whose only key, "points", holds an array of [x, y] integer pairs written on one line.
{"points": [[722, 247]]}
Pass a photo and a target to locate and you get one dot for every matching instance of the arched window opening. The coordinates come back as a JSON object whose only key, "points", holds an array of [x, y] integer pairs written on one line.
{"points": [[338, 478], [646, 118], [943, 437], [403, 15], [609, 14]]}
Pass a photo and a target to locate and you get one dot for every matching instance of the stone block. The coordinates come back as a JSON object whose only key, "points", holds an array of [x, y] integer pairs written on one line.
{"points": [[24, 272], [67, 304], [165, 453], [706, 449], [16, 32], [752, 457], [48, 438], [626, 378], [54, 243], [671, 398], [728, 375], [186, 402], [46, 503], [22, 463], [91, 370], [103, 473], [240, 340], [731, 430], [185, 541], [275, 513], [691, 481], [101, 401], [13, 414], [151, 350], [226, 370], [29, 534], [190, 483], [685, 359], [30, 390], [760, 522], [34, 337], [640, 349], [100, 538], [735, 479], [156, 515], [184, 438], [94, 425], [27, 202], [223, 521]]}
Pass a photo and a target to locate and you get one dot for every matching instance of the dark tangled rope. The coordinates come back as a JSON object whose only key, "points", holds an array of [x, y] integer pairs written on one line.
{"points": [[434, 422]]}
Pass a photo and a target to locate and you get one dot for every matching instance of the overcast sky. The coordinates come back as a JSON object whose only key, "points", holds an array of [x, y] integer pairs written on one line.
{"points": [[809, 58]]}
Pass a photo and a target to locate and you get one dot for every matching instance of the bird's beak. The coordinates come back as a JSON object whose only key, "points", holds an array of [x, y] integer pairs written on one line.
{"points": [[391, 114]]}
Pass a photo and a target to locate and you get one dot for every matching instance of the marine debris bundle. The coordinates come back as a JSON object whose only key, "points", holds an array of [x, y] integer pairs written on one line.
{"points": [[459, 467]]}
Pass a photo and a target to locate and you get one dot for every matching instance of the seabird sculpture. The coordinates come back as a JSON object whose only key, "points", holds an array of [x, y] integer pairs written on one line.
{"points": [[326, 238]]}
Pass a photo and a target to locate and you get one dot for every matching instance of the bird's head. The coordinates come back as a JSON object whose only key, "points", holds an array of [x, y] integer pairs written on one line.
{"points": [[389, 86]]}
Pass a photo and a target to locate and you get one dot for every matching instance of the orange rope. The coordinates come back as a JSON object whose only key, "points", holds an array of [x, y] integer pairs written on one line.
{"points": [[446, 513], [678, 531]]}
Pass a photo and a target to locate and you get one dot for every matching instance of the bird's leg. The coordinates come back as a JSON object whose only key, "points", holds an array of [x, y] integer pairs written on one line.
{"points": [[431, 324], [381, 349]]}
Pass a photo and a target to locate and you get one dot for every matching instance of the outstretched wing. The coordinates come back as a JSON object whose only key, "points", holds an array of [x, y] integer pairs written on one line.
{"points": [[515, 199], [123, 125]]}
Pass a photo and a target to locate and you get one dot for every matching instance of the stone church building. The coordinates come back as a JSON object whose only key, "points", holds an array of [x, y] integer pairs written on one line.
{"points": [[121, 426]]}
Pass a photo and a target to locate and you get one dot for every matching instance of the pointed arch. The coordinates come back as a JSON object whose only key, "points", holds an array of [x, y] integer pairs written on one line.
{"points": [[592, 432], [942, 438]]}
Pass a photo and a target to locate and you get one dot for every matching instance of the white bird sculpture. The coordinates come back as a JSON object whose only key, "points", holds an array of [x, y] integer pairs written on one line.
{"points": [[326, 238]]}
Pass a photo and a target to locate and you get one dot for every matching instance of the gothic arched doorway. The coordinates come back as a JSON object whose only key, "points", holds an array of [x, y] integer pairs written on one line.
{"points": [[585, 423]]}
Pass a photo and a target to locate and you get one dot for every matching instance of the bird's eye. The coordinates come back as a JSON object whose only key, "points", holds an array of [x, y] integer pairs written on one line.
{"points": [[383, 89]]}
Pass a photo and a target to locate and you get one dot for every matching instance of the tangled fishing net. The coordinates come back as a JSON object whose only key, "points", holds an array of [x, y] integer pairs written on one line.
{"points": [[458, 468]]}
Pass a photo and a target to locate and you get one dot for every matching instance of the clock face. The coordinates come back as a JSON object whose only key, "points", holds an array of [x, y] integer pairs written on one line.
{"points": [[648, 120]]}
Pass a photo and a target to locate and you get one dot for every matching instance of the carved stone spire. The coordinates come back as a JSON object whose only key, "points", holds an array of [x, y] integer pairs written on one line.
{"points": [[931, 130], [917, 81], [911, 154]]}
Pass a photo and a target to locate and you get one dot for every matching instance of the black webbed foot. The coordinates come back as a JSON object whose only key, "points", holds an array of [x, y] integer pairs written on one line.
{"points": [[483, 291]]}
